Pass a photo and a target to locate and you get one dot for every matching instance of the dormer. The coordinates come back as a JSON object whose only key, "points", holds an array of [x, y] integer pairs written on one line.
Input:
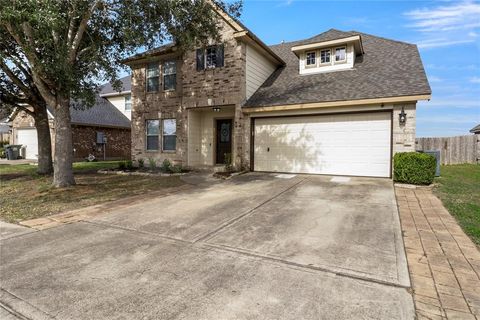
{"points": [[328, 56]]}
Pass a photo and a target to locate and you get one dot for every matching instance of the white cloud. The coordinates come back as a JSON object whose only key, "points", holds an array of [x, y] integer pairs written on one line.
{"points": [[434, 79], [475, 79], [446, 25]]}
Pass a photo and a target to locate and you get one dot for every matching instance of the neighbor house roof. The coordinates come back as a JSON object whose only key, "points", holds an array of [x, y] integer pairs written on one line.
{"points": [[388, 68], [475, 129], [108, 90], [101, 114]]}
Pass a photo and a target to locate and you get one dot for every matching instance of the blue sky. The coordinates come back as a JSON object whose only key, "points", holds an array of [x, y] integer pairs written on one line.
{"points": [[447, 34]]}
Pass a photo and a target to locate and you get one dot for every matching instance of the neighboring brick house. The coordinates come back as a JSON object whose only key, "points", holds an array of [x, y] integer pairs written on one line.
{"points": [[337, 103], [89, 125]]}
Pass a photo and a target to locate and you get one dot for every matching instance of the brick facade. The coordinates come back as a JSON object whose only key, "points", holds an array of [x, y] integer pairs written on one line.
{"points": [[84, 142], [84, 138], [195, 90]]}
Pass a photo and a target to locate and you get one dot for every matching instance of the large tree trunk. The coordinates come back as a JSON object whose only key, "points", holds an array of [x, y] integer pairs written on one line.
{"points": [[45, 165], [63, 171]]}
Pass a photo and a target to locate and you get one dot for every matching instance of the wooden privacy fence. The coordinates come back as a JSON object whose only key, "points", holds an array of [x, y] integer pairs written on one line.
{"points": [[453, 150]]}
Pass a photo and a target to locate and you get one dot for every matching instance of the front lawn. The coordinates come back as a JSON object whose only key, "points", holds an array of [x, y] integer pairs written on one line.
{"points": [[459, 189], [26, 195]]}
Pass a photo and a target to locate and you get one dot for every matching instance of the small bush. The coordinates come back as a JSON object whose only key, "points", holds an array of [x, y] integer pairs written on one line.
{"points": [[4, 143], [129, 165], [122, 165], [141, 163], [152, 163], [414, 168], [2, 153], [177, 168], [166, 166]]}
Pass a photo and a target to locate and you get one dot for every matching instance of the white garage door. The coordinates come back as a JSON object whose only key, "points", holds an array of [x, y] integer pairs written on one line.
{"points": [[28, 138], [342, 144]]}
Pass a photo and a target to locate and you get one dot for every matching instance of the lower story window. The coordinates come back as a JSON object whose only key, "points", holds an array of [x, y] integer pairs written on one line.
{"points": [[153, 130], [169, 127]]}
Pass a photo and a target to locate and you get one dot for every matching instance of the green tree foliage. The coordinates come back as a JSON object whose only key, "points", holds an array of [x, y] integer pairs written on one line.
{"points": [[70, 46]]}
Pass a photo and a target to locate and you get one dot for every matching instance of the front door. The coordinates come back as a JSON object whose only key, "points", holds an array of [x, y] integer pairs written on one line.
{"points": [[224, 140]]}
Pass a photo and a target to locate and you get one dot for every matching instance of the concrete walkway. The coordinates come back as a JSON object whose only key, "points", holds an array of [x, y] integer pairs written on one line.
{"points": [[444, 264]]}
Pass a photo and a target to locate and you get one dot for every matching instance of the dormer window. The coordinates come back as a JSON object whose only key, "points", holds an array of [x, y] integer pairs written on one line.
{"points": [[325, 56], [340, 54], [311, 58]]}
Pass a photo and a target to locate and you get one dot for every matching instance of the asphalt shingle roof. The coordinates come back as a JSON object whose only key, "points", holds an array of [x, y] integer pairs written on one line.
{"points": [[387, 69], [126, 86], [475, 129], [102, 114]]}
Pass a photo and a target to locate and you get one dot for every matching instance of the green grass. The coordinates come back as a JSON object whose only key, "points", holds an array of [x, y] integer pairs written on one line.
{"points": [[459, 189], [26, 195]]}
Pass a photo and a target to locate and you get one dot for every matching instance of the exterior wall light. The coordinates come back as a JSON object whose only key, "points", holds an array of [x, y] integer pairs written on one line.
{"points": [[216, 109], [402, 117]]}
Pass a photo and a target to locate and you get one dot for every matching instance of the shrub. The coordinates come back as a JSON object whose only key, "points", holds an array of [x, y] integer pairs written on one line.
{"points": [[166, 166], [414, 168], [2, 153], [141, 163], [152, 163], [129, 165], [177, 168], [4, 143], [122, 165]]}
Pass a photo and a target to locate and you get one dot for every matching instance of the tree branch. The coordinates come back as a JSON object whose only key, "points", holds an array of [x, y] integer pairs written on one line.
{"points": [[81, 30], [13, 77]]}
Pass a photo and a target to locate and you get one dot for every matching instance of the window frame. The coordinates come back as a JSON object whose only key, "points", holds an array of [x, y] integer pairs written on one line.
{"points": [[169, 135], [152, 135], [164, 74], [329, 50], [147, 77], [129, 96], [214, 48], [314, 64], [343, 60]]}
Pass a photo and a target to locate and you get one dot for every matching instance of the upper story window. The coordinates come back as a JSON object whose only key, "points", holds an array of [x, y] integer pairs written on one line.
{"points": [[153, 77], [169, 75], [128, 102], [210, 57], [325, 56], [340, 54], [311, 58]]}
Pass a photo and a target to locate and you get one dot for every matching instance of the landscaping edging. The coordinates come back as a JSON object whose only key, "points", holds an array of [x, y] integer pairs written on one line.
{"points": [[413, 186], [137, 173]]}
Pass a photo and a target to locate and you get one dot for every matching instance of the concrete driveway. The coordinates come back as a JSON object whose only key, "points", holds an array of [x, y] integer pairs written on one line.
{"points": [[260, 246]]}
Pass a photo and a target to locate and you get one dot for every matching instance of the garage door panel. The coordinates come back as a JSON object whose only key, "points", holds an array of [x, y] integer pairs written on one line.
{"points": [[28, 139], [353, 144]]}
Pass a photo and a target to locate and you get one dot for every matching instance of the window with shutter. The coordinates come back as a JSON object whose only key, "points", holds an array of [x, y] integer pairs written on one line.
{"points": [[210, 57]]}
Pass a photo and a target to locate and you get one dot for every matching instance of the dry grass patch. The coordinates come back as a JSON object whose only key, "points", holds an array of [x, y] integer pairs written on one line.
{"points": [[25, 195]]}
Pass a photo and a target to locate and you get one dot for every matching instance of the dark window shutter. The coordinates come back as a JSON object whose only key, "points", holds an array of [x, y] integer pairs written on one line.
{"points": [[200, 60], [220, 59]]}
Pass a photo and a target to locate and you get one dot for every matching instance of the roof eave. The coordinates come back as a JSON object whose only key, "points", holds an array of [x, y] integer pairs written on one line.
{"points": [[113, 94]]}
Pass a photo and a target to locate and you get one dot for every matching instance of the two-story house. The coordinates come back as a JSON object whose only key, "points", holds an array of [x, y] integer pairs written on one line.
{"points": [[339, 103], [122, 100]]}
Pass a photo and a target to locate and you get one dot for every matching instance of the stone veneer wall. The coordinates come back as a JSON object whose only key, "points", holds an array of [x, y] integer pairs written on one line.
{"points": [[404, 135], [195, 89]]}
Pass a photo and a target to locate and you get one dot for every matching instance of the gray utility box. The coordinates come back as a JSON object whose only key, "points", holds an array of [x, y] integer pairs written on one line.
{"points": [[436, 154]]}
